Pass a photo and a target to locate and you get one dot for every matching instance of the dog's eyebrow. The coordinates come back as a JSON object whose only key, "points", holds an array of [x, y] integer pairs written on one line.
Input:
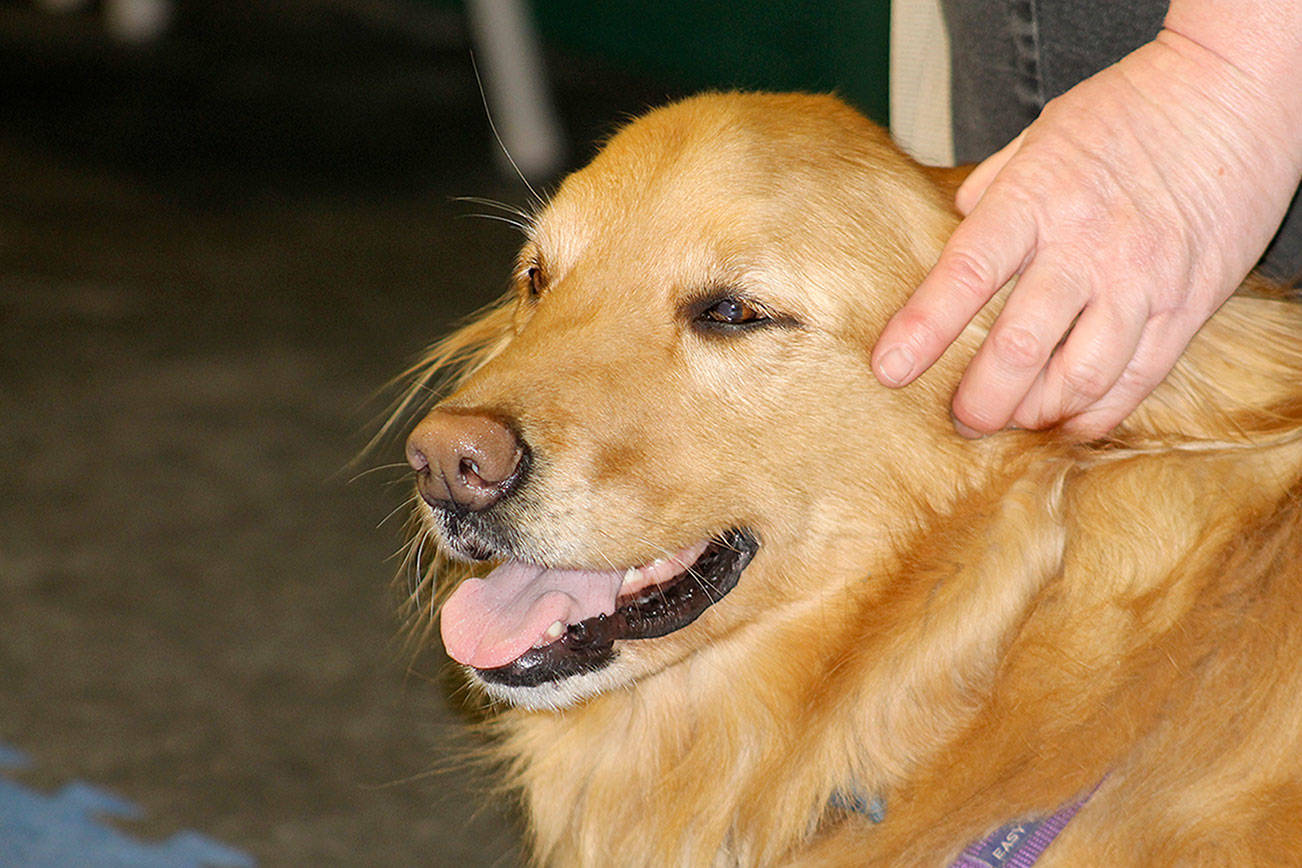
{"points": [[529, 254]]}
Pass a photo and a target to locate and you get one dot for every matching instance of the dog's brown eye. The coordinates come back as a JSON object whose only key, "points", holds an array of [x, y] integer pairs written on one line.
{"points": [[732, 312], [726, 313], [535, 276]]}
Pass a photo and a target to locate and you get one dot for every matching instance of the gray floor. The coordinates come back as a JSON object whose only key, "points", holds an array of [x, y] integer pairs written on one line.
{"points": [[211, 257]]}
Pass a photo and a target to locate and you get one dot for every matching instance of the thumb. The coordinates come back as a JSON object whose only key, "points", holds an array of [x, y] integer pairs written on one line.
{"points": [[974, 186]]}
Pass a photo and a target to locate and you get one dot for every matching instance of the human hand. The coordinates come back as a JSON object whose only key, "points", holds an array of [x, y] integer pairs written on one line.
{"points": [[1129, 210]]}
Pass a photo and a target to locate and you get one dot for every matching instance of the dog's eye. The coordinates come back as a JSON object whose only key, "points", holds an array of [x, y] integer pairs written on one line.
{"points": [[731, 312], [536, 280]]}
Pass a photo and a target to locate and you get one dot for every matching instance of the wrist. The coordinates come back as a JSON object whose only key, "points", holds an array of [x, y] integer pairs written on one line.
{"points": [[1263, 114], [1248, 54]]}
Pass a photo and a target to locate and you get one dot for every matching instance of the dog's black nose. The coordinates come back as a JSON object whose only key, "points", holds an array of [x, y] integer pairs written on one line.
{"points": [[467, 459]]}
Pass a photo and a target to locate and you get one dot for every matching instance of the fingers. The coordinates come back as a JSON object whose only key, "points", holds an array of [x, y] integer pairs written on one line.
{"points": [[1086, 367], [1108, 364], [984, 252], [1058, 350], [1158, 349], [1132, 210], [1011, 363]]}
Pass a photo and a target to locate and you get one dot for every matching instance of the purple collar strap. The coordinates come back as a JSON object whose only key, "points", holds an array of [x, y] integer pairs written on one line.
{"points": [[1019, 845]]}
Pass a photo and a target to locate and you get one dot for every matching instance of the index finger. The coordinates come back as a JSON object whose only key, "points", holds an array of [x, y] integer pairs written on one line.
{"points": [[991, 245]]}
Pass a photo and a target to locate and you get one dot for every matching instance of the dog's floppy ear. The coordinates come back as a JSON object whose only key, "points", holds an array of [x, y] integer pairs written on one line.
{"points": [[948, 178]]}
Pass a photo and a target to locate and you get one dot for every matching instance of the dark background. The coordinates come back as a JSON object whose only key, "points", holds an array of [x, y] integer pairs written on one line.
{"points": [[215, 250]]}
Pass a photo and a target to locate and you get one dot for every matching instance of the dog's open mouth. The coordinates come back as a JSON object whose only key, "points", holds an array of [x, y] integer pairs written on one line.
{"points": [[524, 625]]}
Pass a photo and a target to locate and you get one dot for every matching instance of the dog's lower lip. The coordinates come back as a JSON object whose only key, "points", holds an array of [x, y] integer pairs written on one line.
{"points": [[648, 614]]}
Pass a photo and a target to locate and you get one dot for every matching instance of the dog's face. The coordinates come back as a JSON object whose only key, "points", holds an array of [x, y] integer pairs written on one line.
{"points": [[677, 400]]}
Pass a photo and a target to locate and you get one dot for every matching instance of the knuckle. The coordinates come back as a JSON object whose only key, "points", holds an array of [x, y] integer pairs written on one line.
{"points": [[1085, 380], [971, 275], [1017, 347], [911, 318], [921, 326]]}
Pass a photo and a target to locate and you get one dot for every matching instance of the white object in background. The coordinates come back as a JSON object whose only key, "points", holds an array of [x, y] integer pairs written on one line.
{"points": [[137, 21], [920, 89], [509, 56]]}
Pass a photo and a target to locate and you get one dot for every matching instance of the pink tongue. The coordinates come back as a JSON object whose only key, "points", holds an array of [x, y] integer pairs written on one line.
{"points": [[489, 622]]}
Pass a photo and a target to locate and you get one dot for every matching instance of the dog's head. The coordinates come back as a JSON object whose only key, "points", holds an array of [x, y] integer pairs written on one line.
{"points": [[675, 403]]}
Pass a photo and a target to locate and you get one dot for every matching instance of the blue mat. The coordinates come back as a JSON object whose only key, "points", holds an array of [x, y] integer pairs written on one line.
{"points": [[66, 829]]}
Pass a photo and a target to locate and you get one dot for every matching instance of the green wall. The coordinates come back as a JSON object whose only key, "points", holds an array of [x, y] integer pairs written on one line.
{"points": [[836, 45]]}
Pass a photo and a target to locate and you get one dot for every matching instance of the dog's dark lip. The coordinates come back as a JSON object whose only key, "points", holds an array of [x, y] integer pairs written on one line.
{"points": [[650, 613]]}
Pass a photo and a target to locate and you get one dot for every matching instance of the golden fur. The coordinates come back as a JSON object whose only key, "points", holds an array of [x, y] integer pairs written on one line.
{"points": [[975, 632]]}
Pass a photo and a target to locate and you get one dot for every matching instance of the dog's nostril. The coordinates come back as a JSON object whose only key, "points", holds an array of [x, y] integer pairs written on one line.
{"points": [[469, 471], [415, 457], [468, 459]]}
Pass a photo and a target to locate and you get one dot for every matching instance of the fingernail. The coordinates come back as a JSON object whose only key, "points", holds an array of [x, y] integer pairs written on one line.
{"points": [[964, 431], [896, 366]]}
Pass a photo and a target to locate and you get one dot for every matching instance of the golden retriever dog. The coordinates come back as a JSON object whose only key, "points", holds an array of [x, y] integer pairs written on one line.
{"points": [[732, 603]]}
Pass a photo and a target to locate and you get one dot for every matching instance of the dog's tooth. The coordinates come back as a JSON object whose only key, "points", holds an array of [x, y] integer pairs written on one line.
{"points": [[631, 575], [555, 630]]}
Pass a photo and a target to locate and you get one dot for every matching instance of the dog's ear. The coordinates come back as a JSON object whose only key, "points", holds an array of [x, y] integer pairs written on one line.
{"points": [[948, 178]]}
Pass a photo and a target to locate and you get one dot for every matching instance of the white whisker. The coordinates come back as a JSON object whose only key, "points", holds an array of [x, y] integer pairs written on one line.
{"points": [[488, 113], [526, 219], [377, 469], [416, 575], [405, 505], [499, 218]]}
